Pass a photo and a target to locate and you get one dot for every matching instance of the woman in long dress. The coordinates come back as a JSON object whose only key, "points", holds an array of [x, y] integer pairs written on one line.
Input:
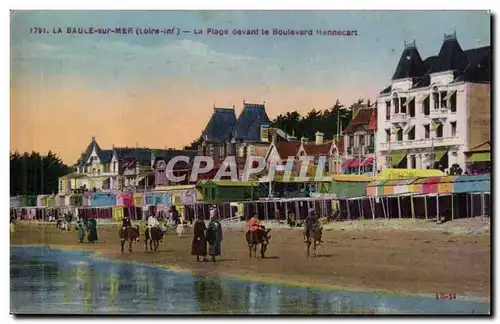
{"points": [[214, 236], [92, 237], [199, 245]]}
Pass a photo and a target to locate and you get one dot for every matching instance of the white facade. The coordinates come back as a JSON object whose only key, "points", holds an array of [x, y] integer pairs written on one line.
{"points": [[450, 110]]}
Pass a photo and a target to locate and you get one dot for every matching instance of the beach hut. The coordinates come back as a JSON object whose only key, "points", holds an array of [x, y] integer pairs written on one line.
{"points": [[229, 191], [138, 199], [117, 213], [60, 201], [124, 199], [15, 202], [41, 201], [102, 199], [157, 198], [346, 185], [28, 201], [50, 201]]}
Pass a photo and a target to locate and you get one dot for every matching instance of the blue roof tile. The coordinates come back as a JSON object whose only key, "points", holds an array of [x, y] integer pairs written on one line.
{"points": [[247, 128], [220, 125]]}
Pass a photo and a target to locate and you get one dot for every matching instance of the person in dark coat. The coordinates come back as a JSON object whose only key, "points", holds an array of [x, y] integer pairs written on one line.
{"points": [[214, 237], [310, 221], [199, 245], [92, 237], [126, 222]]}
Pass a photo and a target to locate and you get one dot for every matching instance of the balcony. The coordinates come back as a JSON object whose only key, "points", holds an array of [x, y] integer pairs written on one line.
{"points": [[438, 113], [400, 118], [360, 150], [422, 143]]}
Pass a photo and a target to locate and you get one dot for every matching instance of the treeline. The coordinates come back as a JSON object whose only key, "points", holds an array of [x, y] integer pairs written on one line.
{"points": [[330, 122], [34, 174]]}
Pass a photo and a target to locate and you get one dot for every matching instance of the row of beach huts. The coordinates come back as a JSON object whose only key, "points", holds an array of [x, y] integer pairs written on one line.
{"points": [[394, 193]]}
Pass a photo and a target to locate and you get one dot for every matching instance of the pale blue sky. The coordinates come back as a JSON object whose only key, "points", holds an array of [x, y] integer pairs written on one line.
{"points": [[224, 62]]}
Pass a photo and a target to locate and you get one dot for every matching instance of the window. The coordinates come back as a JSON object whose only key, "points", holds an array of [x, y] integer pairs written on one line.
{"points": [[443, 99], [361, 140], [387, 135], [387, 110], [453, 102], [439, 131], [427, 132], [411, 108], [372, 140], [435, 97], [403, 105], [395, 100], [351, 141], [413, 162], [427, 106], [411, 134], [400, 135], [453, 128]]}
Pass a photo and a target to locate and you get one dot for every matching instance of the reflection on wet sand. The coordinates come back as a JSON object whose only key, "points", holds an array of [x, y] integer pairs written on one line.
{"points": [[54, 281]]}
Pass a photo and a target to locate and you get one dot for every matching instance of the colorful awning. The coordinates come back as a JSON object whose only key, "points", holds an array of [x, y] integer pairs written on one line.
{"points": [[346, 163], [367, 162], [449, 94], [354, 164], [479, 157], [439, 153], [397, 157]]}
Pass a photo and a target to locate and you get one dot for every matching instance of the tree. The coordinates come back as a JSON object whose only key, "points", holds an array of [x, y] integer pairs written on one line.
{"points": [[33, 174], [194, 144]]}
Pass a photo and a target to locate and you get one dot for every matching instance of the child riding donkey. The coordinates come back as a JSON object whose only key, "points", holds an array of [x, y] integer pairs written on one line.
{"points": [[311, 225]]}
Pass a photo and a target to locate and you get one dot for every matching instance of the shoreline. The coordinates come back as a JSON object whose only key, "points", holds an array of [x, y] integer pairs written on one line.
{"points": [[232, 275]]}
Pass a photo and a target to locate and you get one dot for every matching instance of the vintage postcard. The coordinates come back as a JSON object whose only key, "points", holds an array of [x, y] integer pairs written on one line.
{"points": [[250, 162]]}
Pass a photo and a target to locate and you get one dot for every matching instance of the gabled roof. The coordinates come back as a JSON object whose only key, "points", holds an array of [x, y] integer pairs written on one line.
{"points": [[410, 64], [315, 149], [362, 118], [372, 125], [220, 125], [286, 149], [86, 154], [247, 128]]}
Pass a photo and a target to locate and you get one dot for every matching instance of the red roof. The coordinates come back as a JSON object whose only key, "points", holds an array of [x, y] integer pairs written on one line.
{"points": [[314, 149], [363, 117], [373, 121], [286, 149]]}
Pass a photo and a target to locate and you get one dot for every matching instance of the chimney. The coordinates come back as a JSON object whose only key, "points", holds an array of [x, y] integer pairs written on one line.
{"points": [[319, 138]]}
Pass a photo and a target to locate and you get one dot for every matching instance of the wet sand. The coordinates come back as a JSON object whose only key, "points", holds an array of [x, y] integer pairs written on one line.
{"points": [[380, 259]]}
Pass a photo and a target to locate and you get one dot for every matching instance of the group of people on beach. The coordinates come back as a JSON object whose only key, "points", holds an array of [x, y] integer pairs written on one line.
{"points": [[203, 235], [89, 226]]}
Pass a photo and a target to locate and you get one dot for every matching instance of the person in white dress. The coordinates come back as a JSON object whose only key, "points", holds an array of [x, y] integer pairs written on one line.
{"points": [[152, 222]]}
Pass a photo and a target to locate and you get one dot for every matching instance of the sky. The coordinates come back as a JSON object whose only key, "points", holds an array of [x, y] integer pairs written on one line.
{"points": [[159, 90]]}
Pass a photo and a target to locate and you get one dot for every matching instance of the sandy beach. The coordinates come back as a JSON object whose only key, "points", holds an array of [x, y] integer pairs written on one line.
{"points": [[400, 256]]}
